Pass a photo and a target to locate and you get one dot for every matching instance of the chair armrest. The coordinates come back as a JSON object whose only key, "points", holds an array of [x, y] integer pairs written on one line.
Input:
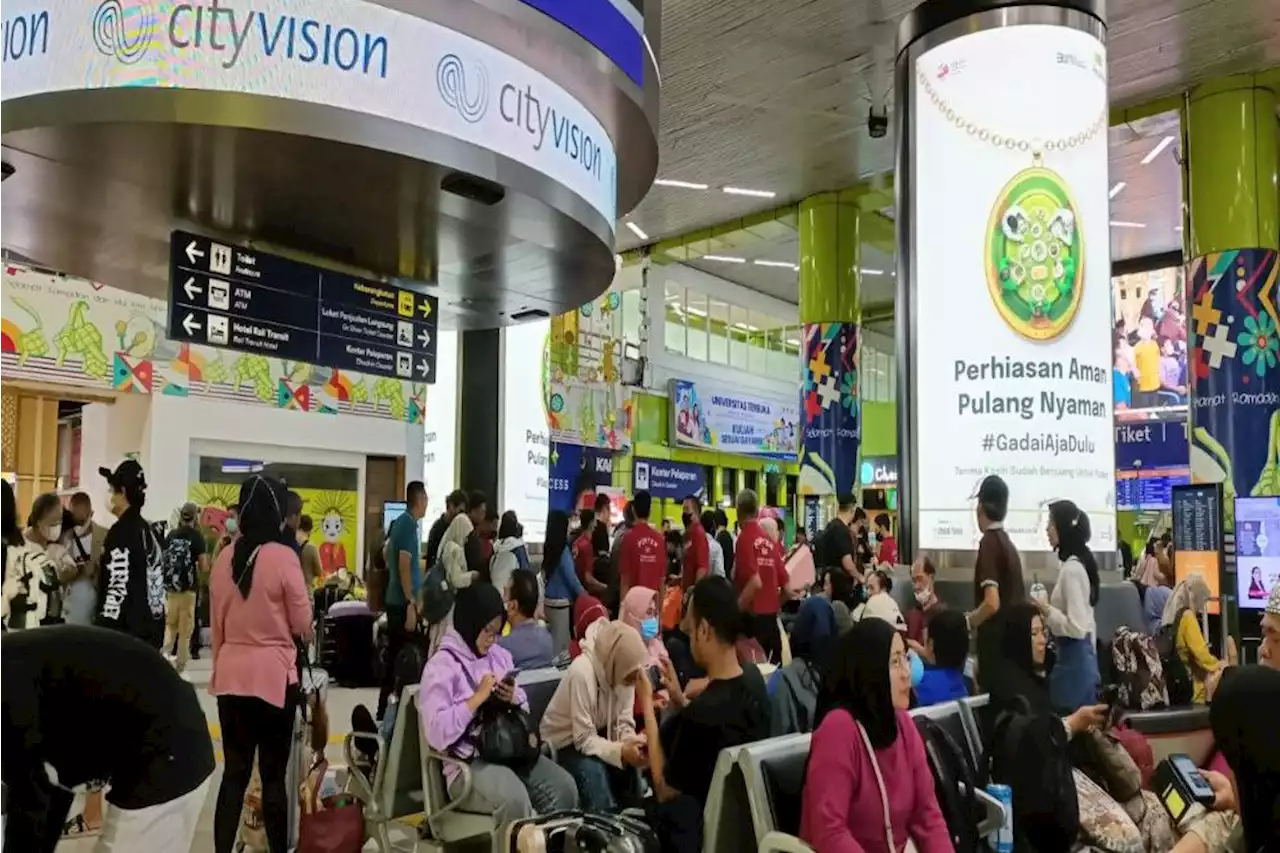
{"points": [[452, 804], [366, 788], [781, 842], [992, 811]]}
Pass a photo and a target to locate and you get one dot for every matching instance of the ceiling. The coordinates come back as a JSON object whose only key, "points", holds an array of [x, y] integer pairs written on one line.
{"points": [[775, 97]]}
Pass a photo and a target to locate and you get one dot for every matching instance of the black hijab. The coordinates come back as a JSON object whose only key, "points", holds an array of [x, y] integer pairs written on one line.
{"points": [[1250, 741], [859, 681], [262, 503], [1018, 677], [474, 607]]}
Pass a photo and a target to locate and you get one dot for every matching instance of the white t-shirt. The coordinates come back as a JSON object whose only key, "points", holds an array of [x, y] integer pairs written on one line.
{"points": [[1070, 613], [715, 556]]}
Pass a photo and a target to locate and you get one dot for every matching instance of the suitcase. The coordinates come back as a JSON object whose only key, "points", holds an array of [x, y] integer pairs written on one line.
{"points": [[580, 832], [348, 650]]}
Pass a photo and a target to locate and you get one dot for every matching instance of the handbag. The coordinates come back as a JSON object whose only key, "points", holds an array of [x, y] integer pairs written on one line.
{"points": [[1101, 757], [332, 825], [502, 733], [884, 796]]}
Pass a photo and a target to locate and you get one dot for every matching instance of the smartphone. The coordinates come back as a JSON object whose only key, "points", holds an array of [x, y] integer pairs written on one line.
{"points": [[510, 677], [1111, 698], [1201, 791]]}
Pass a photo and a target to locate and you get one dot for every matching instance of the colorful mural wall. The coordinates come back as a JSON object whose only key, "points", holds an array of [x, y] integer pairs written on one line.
{"points": [[587, 404], [72, 331]]}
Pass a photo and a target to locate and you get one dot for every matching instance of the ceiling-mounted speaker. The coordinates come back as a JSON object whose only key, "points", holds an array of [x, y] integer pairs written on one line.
{"points": [[473, 188]]}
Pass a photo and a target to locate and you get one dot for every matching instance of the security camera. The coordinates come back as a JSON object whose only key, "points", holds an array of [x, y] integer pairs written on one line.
{"points": [[878, 125]]}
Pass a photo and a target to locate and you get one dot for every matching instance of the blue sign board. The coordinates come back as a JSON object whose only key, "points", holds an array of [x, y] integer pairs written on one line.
{"points": [[664, 479], [232, 298], [573, 470], [613, 27], [1152, 444]]}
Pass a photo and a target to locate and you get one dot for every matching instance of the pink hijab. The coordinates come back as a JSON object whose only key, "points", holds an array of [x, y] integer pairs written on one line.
{"points": [[634, 609]]}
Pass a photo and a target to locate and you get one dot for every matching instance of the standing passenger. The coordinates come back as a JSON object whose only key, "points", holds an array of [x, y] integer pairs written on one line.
{"points": [[404, 582], [644, 550], [1074, 680], [84, 541], [760, 576], [697, 556], [997, 578], [185, 561], [131, 578]]}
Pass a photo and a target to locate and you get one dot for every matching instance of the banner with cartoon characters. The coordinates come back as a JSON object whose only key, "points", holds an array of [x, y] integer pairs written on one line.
{"points": [[586, 402], [831, 428], [705, 416], [1235, 357], [72, 331]]}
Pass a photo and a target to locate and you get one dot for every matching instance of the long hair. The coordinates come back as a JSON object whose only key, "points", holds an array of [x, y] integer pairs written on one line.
{"points": [[556, 540], [1073, 540], [12, 530], [859, 682], [262, 507]]}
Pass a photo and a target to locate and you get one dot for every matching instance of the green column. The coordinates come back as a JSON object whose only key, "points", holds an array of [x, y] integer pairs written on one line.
{"points": [[830, 310], [1231, 150]]}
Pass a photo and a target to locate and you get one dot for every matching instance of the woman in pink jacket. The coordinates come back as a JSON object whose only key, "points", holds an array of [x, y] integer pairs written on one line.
{"points": [[258, 604], [868, 787]]}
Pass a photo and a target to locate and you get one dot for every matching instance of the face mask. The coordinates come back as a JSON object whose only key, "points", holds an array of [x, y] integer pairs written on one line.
{"points": [[51, 532], [232, 526], [649, 628], [687, 518], [917, 668], [923, 596]]}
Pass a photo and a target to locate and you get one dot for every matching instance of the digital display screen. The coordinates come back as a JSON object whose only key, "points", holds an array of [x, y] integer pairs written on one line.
{"points": [[1141, 490], [1257, 550], [1197, 535]]}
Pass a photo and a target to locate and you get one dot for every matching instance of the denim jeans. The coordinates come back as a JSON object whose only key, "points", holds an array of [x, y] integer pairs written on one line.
{"points": [[600, 784]]}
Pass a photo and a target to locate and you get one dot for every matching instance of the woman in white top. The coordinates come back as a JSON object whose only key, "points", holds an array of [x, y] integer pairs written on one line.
{"points": [[1074, 680]]}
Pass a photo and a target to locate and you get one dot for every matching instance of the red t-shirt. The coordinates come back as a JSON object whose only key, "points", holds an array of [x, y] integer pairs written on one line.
{"points": [[697, 555], [583, 556], [757, 554], [888, 551], [644, 557]]}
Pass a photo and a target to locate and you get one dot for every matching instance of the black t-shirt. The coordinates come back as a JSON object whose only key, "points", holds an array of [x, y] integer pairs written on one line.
{"points": [[725, 538], [435, 537], [833, 545], [730, 712], [99, 706], [196, 548]]}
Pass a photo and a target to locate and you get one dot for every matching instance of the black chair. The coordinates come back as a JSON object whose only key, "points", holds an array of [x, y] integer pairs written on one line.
{"points": [[783, 775]]}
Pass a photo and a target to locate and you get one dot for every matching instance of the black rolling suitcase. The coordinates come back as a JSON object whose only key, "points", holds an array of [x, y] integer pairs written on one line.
{"points": [[348, 650], [580, 832]]}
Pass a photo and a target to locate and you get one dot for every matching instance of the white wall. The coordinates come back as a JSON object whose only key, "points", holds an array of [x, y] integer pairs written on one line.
{"points": [[108, 433], [440, 426], [523, 435]]}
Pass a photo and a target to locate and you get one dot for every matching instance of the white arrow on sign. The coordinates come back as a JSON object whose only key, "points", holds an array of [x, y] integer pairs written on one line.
{"points": [[424, 368], [190, 324], [193, 252], [193, 290], [424, 337]]}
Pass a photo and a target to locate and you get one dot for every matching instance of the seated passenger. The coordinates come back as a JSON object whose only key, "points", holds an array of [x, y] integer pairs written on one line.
{"points": [[838, 588], [1181, 615], [590, 719], [1153, 602], [732, 709], [587, 611], [867, 763], [948, 647], [679, 647], [640, 611], [466, 671], [1250, 741], [794, 688], [529, 642]]}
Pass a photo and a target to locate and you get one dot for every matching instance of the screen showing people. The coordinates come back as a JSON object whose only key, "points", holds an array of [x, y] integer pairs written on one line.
{"points": [[1257, 550], [1149, 359]]}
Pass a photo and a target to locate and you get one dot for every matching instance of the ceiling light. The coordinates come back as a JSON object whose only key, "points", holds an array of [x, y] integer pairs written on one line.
{"points": [[637, 230], [684, 185], [756, 193], [725, 259], [1155, 152], [697, 312], [747, 327], [867, 271], [1115, 191], [778, 264], [1116, 223], [792, 342]]}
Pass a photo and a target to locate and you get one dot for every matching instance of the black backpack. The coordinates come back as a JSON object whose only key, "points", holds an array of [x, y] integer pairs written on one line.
{"points": [[437, 595], [1028, 753], [179, 564], [1177, 678], [951, 768]]}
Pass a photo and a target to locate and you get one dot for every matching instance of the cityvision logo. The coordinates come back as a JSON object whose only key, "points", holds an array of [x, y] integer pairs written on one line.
{"points": [[465, 89], [127, 30]]}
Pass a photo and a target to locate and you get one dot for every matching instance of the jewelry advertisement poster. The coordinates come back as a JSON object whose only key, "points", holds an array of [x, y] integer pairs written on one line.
{"points": [[1011, 271]]}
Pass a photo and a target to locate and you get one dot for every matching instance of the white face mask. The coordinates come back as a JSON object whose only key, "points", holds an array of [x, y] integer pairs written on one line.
{"points": [[51, 532], [923, 596]]}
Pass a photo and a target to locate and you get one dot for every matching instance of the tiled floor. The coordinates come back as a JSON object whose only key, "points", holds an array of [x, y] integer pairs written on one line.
{"points": [[340, 703]]}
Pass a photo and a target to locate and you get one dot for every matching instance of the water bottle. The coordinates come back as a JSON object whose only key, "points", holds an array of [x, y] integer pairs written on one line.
{"points": [[1002, 839], [1039, 592]]}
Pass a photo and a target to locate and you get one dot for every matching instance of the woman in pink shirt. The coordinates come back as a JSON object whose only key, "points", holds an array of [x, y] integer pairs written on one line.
{"points": [[258, 604], [868, 787]]}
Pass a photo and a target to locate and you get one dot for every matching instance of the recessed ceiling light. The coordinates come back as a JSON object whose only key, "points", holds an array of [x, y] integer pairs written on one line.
{"points": [[756, 193], [1116, 223], [637, 230], [1115, 191], [725, 259], [779, 264], [867, 271], [1155, 152], [684, 185]]}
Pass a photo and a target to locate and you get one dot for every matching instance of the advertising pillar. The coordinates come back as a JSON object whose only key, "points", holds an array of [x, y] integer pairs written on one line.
{"points": [[829, 309], [1232, 294], [1003, 304]]}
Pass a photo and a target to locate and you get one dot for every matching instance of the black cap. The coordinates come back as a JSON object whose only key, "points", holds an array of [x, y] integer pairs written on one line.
{"points": [[993, 492], [128, 475]]}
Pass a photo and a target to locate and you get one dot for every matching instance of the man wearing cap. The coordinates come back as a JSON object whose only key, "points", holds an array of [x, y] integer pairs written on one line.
{"points": [[1269, 650], [997, 575], [186, 560], [131, 577]]}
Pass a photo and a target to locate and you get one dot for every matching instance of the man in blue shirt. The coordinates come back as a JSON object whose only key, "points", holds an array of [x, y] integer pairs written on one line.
{"points": [[529, 642], [405, 581], [947, 647]]}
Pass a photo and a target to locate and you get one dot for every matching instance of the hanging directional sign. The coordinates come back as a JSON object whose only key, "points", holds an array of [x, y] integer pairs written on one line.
{"points": [[225, 296]]}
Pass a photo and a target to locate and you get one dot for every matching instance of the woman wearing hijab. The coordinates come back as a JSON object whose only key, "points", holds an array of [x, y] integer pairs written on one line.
{"points": [[866, 759], [465, 672], [590, 719], [640, 611], [1181, 616], [587, 611], [259, 604], [1068, 613], [562, 584], [794, 688], [453, 552], [1250, 741]]}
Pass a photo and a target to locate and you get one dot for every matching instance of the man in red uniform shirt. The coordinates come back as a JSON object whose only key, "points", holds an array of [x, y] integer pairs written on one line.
{"points": [[644, 550], [760, 574], [697, 551], [888, 555]]}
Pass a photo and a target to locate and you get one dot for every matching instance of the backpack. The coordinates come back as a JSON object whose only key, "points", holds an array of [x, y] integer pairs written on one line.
{"points": [[437, 595], [179, 564], [951, 768], [1139, 672], [1177, 677], [1028, 752]]}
